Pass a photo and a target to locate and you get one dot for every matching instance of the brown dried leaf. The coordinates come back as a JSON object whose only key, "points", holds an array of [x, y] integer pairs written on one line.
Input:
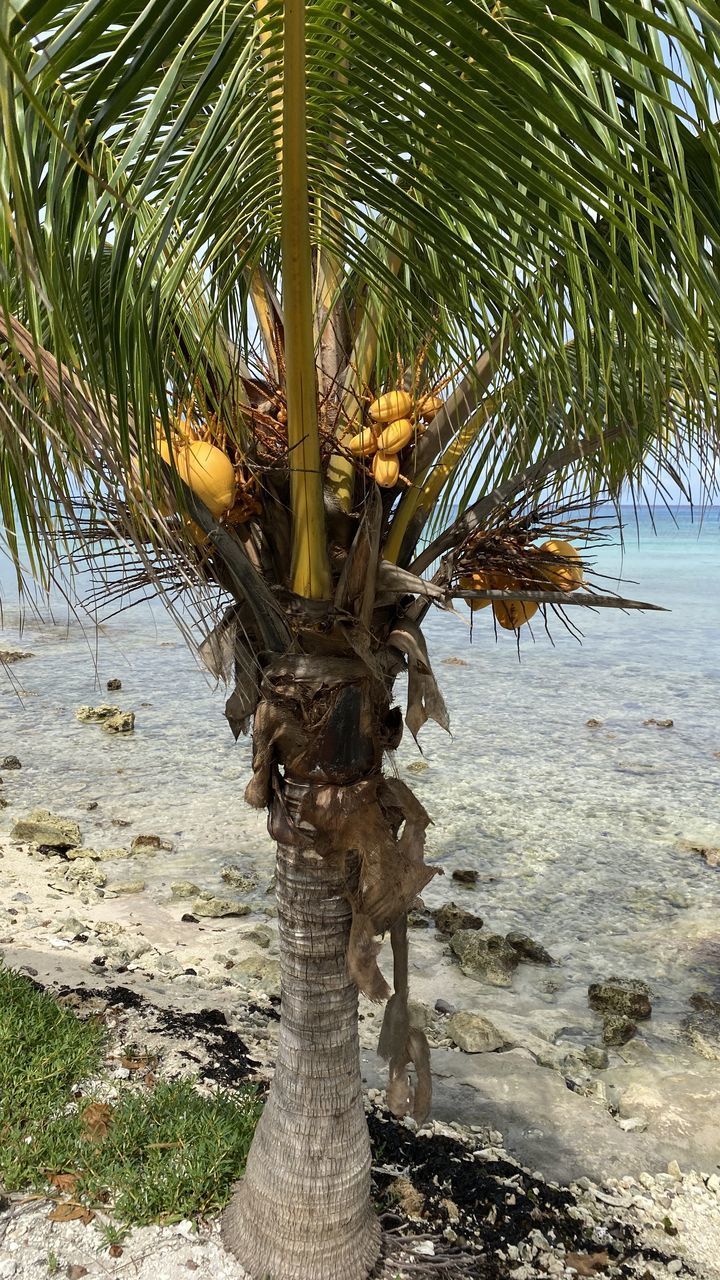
{"points": [[71, 1212], [65, 1182], [135, 1064], [362, 956], [586, 1264], [96, 1121]]}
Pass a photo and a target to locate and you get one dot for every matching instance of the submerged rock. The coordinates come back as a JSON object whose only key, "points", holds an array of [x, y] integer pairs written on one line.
{"points": [[123, 722], [618, 1029], [710, 853], [96, 715], [45, 828], [450, 917], [629, 997], [113, 685], [10, 762], [207, 906], [14, 655], [490, 958], [659, 724], [528, 949], [420, 918], [701, 1028], [474, 1034]]}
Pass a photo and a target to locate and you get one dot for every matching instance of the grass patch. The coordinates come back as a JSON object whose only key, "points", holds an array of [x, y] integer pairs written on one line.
{"points": [[155, 1154]]}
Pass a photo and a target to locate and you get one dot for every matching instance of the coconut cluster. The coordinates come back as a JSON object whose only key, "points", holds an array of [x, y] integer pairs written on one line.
{"points": [[555, 563], [395, 421]]}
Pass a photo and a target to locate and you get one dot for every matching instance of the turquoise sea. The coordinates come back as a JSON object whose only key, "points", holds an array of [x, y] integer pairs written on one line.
{"points": [[574, 830]]}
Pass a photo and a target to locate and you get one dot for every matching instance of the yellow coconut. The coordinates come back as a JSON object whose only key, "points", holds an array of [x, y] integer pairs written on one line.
{"points": [[161, 443], [209, 473], [482, 581], [386, 469], [391, 405], [363, 444], [568, 574], [428, 407], [511, 615], [396, 436]]}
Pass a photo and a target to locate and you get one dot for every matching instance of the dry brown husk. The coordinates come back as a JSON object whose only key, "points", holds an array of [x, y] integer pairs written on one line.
{"points": [[324, 721]]}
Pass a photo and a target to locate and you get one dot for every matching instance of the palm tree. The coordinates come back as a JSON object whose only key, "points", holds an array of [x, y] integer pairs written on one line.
{"points": [[298, 303]]}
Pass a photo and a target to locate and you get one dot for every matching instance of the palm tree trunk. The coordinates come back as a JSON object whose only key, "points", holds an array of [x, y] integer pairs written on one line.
{"points": [[303, 1209]]}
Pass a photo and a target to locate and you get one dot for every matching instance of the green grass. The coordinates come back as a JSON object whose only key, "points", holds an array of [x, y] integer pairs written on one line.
{"points": [[165, 1152]]}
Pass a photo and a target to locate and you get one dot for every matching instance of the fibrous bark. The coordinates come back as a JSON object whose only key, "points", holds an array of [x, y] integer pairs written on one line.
{"points": [[303, 1210]]}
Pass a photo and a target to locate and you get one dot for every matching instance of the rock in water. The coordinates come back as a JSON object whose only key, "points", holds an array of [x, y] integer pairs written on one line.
{"points": [[14, 655], [627, 996], [490, 958], [528, 949], [44, 828], [209, 907], [151, 844], [235, 877], [617, 1029], [184, 889], [113, 685], [474, 1034], [450, 917], [11, 762], [96, 715], [465, 875], [123, 722], [702, 1027]]}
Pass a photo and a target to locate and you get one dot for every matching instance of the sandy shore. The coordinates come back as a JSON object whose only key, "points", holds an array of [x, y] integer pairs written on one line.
{"points": [[640, 1133]]}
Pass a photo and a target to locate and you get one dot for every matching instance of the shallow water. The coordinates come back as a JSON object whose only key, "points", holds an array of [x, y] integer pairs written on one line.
{"points": [[573, 830]]}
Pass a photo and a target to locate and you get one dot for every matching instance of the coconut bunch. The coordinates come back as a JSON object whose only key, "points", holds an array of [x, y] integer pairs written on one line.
{"points": [[395, 421], [516, 563]]}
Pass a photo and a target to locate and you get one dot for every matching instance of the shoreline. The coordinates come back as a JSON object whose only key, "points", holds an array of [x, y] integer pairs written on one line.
{"points": [[600, 1132]]}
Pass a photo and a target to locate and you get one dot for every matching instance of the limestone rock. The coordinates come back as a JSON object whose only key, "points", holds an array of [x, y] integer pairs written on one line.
{"points": [[123, 722], [238, 880], [14, 655], [473, 1034], [45, 828], [96, 855], [96, 715], [627, 996], [701, 1028], [490, 958], [262, 971], [596, 1057], [83, 872], [151, 844], [260, 935], [184, 889], [528, 949], [207, 906], [450, 917], [710, 853], [618, 1029], [126, 886]]}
